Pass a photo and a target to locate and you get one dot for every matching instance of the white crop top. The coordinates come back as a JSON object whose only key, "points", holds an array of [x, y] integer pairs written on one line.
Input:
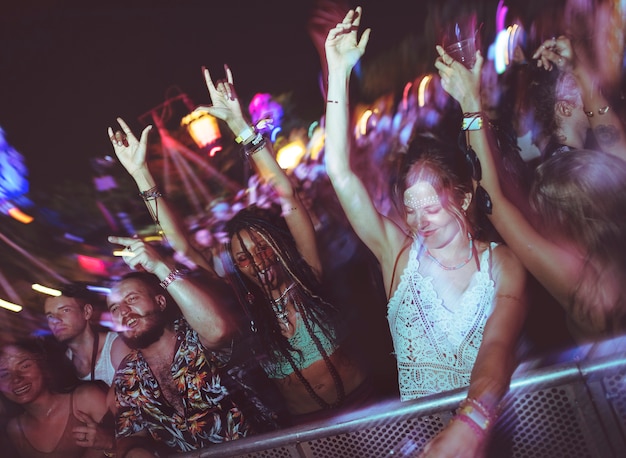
{"points": [[436, 347]]}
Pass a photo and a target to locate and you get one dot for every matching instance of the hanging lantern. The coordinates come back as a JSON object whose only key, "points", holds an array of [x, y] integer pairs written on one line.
{"points": [[202, 127]]}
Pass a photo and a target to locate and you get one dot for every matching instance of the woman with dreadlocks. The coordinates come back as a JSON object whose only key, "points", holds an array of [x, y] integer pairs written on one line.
{"points": [[275, 267]]}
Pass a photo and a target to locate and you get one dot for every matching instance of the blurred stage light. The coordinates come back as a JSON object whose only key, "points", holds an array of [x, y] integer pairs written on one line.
{"points": [[421, 90], [92, 265], [45, 290], [19, 215], [290, 155], [99, 289], [361, 125], [10, 306]]}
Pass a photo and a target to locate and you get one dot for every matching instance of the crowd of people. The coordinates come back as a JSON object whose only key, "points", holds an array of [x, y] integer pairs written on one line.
{"points": [[460, 244]]}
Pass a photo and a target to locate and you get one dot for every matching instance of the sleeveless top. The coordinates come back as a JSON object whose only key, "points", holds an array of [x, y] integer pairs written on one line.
{"points": [[436, 347], [65, 448], [303, 341], [104, 367]]}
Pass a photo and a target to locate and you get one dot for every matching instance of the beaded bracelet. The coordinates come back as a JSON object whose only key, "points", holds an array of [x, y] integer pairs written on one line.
{"points": [[256, 145], [171, 277], [475, 411], [151, 194]]}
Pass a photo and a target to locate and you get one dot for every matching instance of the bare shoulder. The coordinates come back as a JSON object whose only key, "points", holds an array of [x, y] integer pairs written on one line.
{"points": [[91, 398], [504, 263], [89, 389], [119, 350], [508, 272]]}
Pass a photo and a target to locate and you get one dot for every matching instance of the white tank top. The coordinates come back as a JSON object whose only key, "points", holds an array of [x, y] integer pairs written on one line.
{"points": [[104, 369], [436, 347]]}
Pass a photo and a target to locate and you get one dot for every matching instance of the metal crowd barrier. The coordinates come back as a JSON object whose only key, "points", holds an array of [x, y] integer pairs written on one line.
{"points": [[570, 410]]}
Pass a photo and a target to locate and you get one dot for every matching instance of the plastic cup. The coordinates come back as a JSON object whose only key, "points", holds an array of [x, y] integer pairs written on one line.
{"points": [[463, 51]]}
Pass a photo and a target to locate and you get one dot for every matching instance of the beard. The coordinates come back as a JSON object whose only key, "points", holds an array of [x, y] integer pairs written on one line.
{"points": [[154, 328]]}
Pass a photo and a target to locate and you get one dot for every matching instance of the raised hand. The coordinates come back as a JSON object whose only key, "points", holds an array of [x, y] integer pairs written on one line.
{"points": [[130, 151], [462, 84], [226, 106], [343, 47], [138, 254], [556, 52]]}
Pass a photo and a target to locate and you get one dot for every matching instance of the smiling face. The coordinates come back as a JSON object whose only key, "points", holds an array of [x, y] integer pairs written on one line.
{"points": [[257, 260], [427, 217], [21, 376], [67, 319], [137, 312]]}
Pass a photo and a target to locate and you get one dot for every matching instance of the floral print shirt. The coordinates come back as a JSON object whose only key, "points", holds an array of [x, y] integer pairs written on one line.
{"points": [[210, 416]]}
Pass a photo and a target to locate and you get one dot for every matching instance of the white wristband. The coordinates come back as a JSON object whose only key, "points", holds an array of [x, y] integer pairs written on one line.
{"points": [[245, 134]]}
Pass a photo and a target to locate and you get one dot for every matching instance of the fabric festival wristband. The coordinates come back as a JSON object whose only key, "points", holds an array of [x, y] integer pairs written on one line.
{"points": [[476, 412], [245, 134], [472, 123]]}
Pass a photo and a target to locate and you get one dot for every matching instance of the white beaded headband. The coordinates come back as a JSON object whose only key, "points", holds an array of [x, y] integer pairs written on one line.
{"points": [[412, 202]]}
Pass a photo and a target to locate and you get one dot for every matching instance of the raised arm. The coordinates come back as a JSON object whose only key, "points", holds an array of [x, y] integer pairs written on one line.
{"points": [[494, 364], [603, 119], [131, 153], [555, 267], [227, 107], [203, 306], [343, 51]]}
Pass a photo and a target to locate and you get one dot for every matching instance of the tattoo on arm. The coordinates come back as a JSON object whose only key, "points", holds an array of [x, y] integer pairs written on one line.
{"points": [[606, 134]]}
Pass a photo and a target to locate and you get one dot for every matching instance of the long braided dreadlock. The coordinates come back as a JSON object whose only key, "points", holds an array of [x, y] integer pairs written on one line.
{"points": [[267, 226]]}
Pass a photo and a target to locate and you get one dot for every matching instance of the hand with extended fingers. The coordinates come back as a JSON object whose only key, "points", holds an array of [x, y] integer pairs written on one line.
{"points": [[138, 254], [343, 47], [556, 52], [130, 151], [91, 435], [462, 84], [226, 106]]}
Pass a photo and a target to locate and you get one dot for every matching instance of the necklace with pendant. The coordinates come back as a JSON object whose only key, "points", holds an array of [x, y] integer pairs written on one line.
{"points": [[279, 305], [470, 255]]}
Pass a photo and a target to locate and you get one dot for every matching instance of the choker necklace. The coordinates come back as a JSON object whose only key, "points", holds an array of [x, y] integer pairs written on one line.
{"points": [[458, 266], [279, 306]]}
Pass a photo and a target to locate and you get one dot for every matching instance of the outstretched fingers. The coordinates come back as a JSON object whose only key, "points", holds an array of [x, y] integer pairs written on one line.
{"points": [[365, 38], [209, 82], [229, 75]]}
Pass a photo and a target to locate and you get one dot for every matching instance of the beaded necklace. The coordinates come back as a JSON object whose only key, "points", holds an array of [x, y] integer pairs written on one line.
{"points": [[279, 306], [470, 255]]}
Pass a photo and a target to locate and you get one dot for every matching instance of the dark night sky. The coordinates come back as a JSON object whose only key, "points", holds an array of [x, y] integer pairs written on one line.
{"points": [[69, 68]]}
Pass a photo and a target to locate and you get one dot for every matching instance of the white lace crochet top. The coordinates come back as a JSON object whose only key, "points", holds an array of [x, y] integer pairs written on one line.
{"points": [[435, 346]]}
